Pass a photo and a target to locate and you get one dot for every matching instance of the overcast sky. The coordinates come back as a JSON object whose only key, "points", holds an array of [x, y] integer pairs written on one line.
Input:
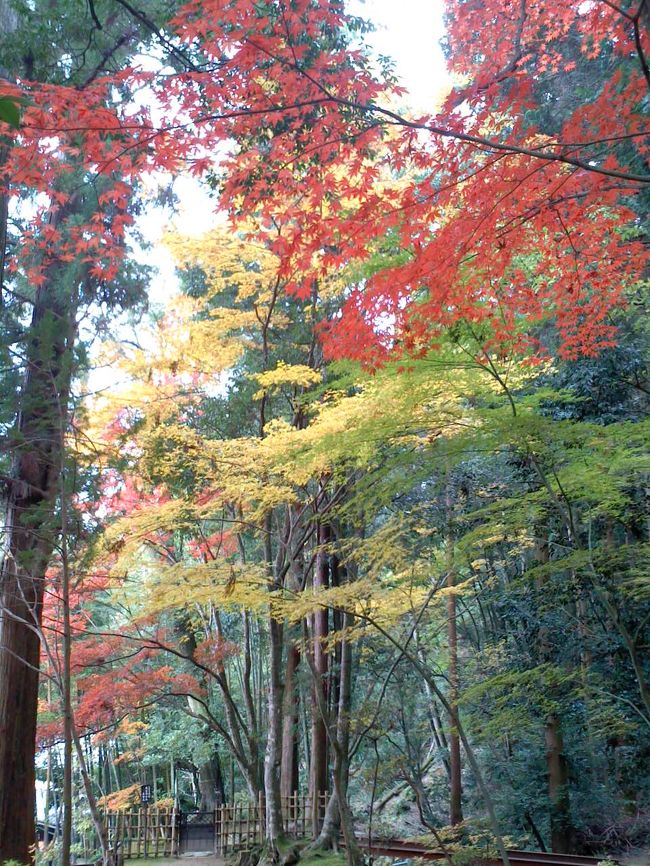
{"points": [[409, 31]]}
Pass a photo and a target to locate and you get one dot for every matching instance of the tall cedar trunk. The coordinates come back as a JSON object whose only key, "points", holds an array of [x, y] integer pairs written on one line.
{"points": [[289, 769], [29, 542], [455, 768], [558, 788], [211, 787], [556, 766], [318, 775], [273, 757]]}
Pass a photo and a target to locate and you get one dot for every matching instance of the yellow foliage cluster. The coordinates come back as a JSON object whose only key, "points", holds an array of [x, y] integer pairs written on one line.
{"points": [[247, 481], [296, 375]]}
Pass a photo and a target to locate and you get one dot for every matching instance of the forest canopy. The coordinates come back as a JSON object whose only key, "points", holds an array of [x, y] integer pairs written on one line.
{"points": [[357, 512]]}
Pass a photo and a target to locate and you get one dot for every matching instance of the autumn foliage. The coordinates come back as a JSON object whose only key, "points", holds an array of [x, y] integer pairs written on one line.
{"points": [[388, 287], [507, 224]]}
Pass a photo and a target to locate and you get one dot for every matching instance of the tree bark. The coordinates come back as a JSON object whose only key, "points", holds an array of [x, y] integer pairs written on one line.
{"points": [[318, 768], [273, 756], [342, 752], [289, 768], [211, 787], [558, 790], [556, 766], [29, 543], [455, 767]]}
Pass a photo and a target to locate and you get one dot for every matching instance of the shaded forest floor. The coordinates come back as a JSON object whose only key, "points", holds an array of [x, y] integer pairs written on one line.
{"points": [[190, 859], [640, 858]]}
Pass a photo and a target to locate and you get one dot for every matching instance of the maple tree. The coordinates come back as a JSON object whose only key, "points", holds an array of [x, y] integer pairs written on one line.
{"points": [[522, 216], [428, 419], [247, 481]]}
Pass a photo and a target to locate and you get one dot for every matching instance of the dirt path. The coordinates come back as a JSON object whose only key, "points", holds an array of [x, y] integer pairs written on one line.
{"points": [[185, 860]]}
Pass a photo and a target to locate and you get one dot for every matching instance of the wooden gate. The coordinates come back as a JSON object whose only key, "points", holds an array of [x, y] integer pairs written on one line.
{"points": [[196, 832]]}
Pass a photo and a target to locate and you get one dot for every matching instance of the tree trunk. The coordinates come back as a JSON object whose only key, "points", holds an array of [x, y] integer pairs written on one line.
{"points": [[211, 788], [558, 791], [98, 823], [66, 693], [29, 542], [455, 767], [273, 757], [556, 768], [342, 752], [328, 835], [289, 770], [318, 769]]}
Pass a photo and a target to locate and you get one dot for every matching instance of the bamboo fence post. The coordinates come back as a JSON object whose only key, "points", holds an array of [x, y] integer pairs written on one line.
{"points": [[258, 823], [295, 813], [119, 837], [224, 822], [129, 822], [224, 816]]}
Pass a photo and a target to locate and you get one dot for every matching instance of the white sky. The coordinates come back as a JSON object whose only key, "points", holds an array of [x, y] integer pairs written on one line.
{"points": [[409, 31]]}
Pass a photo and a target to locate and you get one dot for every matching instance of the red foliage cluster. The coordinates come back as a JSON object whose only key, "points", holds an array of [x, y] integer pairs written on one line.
{"points": [[116, 676], [503, 224]]}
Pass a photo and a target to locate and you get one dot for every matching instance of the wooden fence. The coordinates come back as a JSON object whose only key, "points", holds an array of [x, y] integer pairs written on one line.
{"points": [[240, 826], [151, 832], [144, 832]]}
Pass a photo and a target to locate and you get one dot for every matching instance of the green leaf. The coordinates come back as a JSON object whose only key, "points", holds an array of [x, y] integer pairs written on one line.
{"points": [[9, 112]]}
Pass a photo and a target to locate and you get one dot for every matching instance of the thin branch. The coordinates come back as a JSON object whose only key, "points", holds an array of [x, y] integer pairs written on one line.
{"points": [[434, 129], [93, 15]]}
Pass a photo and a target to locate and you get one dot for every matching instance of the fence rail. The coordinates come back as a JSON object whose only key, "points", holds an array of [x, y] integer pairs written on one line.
{"points": [[144, 832], [151, 832]]}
